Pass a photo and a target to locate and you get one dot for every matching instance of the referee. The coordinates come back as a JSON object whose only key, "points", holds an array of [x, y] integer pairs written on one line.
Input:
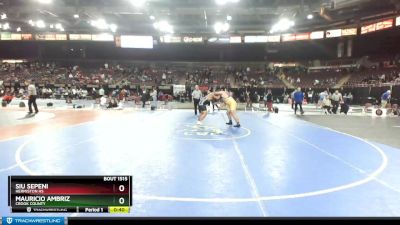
{"points": [[32, 94], [196, 95]]}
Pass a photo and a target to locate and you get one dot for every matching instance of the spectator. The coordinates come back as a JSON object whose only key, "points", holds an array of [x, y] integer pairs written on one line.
{"points": [[292, 98], [349, 99], [247, 97], [84, 93], [44, 92], [144, 98], [268, 100], [101, 91], [113, 103], [385, 98], [327, 105], [336, 99], [322, 96], [103, 101], [74, 93], [21, 92], [8, 98], [310, 95], [122, 95], [298, 99], [154, 98], [255, 98]]}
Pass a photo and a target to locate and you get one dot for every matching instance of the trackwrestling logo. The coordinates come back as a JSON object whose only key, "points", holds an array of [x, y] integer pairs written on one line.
{"points": [[204, 132], [34, 220]]}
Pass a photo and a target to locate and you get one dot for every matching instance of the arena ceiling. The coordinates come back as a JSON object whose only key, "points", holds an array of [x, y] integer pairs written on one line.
{"points": [[192, 16]]}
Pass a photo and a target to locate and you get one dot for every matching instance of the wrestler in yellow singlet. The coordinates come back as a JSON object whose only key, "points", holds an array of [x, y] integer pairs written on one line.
{"points": [[231, 106], [230, 103]]}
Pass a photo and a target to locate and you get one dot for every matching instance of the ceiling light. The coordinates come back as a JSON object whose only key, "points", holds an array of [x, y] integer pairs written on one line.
{"points": [[152, 18], [40, 24], [138, 3], [164, 27], [19, 29], [229, 18], [214, 39], [51, 26], [155, 25], [310, 16], [100, 24], [76, 16], [282, 25], [221, 27], [103, 25], [6, 26], [223, 2], [45, 1], [113, 27], [3, 16], [59, 26]]}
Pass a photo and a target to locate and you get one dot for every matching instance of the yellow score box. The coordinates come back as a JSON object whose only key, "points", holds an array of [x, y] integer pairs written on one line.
{"points": [[118, 209]]}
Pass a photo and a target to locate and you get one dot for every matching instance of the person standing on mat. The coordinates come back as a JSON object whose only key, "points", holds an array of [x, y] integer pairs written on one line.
{"points": [[145, 97], [336, 99], [385, 98], [202, 104], [32, 96], [298, 100], [231, 106], [154, 99], [292, 97], [268, 100], [196, 95]]}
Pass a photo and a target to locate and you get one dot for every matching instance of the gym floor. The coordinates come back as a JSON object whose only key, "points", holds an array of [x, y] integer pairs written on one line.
{"points": [[275, 165]]}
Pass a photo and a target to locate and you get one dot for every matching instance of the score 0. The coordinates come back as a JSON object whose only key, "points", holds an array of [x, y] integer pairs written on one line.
{"points": [[121, 189]]}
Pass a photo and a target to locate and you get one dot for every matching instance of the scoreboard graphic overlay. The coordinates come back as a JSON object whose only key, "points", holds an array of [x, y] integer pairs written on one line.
{"points": [[70, 194]]}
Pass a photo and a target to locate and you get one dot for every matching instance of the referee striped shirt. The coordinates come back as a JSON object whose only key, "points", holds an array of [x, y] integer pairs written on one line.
{"points": [[196, 94]]}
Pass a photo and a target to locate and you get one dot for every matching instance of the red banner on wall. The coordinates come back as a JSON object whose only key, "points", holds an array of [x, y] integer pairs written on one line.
{"points": [[203, 88], [368, 28], [384, 24], [288, 37]]}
